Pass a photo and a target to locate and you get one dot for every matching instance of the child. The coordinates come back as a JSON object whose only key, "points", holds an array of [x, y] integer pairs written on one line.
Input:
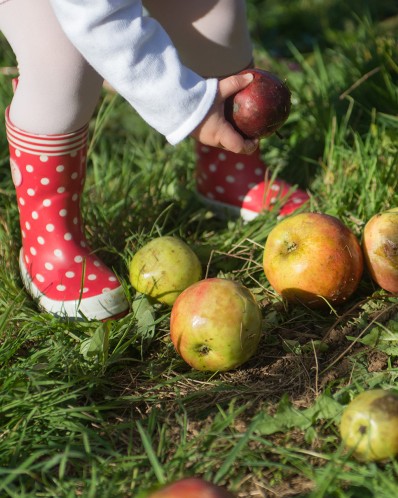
{"points": [[173, 67]]}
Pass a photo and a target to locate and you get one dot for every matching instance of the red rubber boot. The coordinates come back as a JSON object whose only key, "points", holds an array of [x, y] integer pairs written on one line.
{"points": [[57, 266], [239, 184]]}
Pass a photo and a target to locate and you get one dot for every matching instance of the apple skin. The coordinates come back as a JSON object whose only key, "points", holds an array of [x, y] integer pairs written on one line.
{"points": [[191, 487], [369, 425], [163, 268], [261, 108], [310, 257], [380, 248], [215, 325]]}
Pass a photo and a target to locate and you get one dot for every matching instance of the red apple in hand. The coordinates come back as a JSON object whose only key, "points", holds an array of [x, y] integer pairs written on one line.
{"points": [[191, 487], [215, 324], [261, 108], [313, 257], [380, 247]]}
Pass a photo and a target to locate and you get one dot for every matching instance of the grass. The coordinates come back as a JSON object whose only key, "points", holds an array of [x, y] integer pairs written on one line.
{"points": [[99, 410]]}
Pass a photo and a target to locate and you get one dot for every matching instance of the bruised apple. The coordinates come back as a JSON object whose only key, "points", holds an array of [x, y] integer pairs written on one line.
{"points": [[163, 268], [191, 487], [369, 425], [313, 258], [261, 108], [215, 324], [380, 247]]}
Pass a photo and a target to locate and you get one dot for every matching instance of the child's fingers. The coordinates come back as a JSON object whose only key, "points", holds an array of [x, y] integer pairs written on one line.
{"points": [[233, 84], [234, 142]]}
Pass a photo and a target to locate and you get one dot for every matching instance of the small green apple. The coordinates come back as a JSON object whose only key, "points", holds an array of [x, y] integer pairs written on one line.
{"points": [[369, 425], [380, 247], [215, 324], [191, 487], [163, 268]]}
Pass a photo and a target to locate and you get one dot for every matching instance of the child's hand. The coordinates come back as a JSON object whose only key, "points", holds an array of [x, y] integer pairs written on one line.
{"points": [[215, 130]]}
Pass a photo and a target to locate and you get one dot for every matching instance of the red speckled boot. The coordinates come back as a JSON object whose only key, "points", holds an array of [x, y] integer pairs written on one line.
{"points": [[239, 184], [57, 266]]}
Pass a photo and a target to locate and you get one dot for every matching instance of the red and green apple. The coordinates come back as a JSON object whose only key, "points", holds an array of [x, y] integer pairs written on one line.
{"points": [[215, 324], [191, 487], [380, 247], [313, 258]]}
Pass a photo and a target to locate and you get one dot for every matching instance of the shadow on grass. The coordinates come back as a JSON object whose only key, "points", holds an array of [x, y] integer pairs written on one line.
{"points": [[309, 23]]}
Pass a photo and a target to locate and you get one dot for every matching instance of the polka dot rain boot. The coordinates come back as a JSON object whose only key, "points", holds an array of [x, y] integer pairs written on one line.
{"points": [[239, 184], [57, 266]]}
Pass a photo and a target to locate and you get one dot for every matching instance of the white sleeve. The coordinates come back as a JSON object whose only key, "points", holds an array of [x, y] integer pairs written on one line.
{"points": [[136, 56]]}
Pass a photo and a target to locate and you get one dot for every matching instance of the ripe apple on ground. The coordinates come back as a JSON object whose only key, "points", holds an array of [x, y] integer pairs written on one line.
{"points": [[313, 257], [261, 108], [380, 247], [369, 425], [191, 487], [215, 324], [163, 268]]}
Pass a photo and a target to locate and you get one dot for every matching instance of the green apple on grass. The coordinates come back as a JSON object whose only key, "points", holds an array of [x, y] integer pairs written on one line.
{"points": [[369, 425], [215, 324], [163, 268]]}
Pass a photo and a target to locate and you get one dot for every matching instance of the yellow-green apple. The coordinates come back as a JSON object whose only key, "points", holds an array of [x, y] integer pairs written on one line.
{"points": [[369, 425], [380, 247], [163, 268], [215, 324], [313, 258], [191, 487], [262, 107]]}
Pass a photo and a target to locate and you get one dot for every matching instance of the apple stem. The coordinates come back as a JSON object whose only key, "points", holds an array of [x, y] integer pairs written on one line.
{"points": [[292, 246]]}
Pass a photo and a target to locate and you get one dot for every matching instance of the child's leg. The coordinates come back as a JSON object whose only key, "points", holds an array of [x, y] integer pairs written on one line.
{"points": [[213, 39], [57, 90], [47, 133], [211, 35]]}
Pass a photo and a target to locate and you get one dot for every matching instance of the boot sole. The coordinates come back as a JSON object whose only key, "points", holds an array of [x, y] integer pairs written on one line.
{"points": [[112, 304], [225, 211]]}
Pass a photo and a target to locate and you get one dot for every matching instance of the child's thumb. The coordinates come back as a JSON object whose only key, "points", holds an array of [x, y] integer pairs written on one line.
{"points": [[233, 84]]}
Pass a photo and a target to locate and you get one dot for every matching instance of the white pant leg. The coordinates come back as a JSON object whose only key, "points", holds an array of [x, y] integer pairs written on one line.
{"points": [[211, 36], [57, 90]]}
